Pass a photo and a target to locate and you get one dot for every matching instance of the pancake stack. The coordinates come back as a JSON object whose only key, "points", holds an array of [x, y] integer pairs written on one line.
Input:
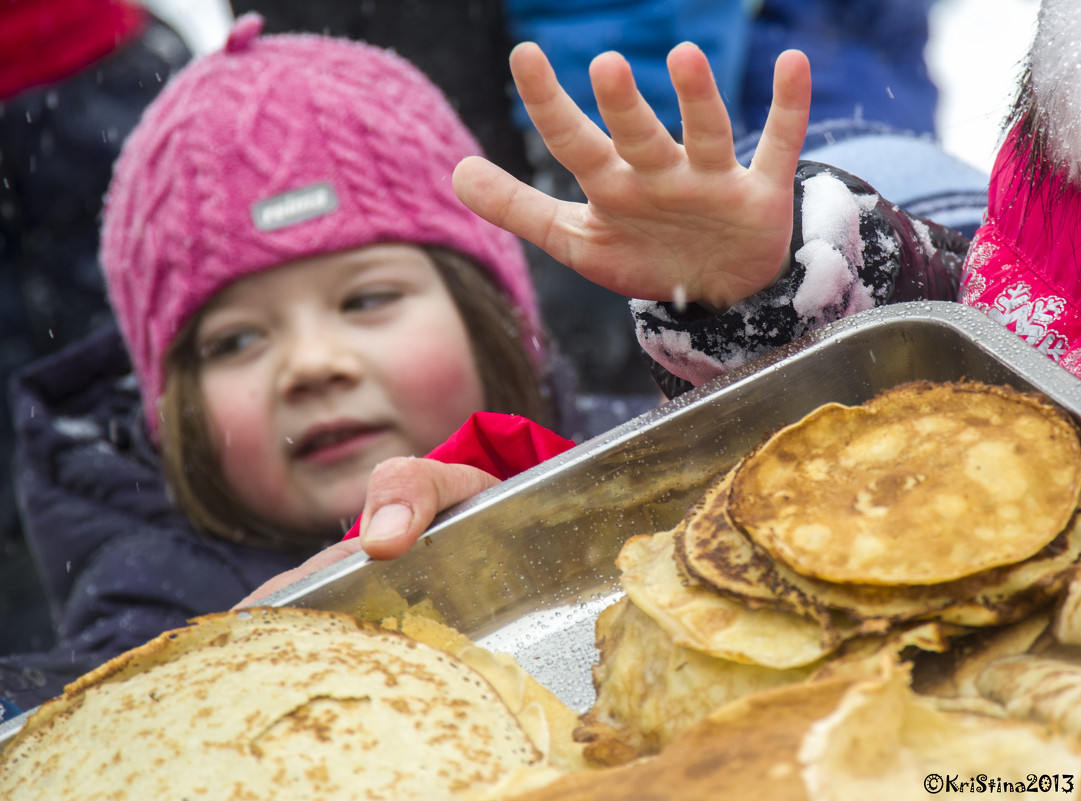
{"points": [[928, 518]]}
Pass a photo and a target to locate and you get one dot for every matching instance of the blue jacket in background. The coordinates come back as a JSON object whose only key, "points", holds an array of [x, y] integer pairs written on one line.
{"points": [[867, 60], [572, 32], [866, 56]]}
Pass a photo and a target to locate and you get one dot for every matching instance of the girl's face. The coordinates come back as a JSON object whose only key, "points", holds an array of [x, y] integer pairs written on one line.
{"points": [[315, 371]]}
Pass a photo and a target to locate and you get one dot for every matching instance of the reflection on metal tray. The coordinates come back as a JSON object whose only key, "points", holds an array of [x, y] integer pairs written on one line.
{"points": [[525, 567]]}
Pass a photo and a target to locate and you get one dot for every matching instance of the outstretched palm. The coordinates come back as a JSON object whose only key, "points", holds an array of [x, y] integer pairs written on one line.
{"points": [[663, 220]]}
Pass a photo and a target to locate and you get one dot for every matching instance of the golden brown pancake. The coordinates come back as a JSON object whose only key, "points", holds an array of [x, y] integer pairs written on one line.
{"points": [[712, 550], [696, 616], [923, 484], [650, 690], [745, 750], [701, 594], [883, 740], [831, 740], [953, 673], [1035, 688], [1067, 622], [549, 722], [270, 704]]}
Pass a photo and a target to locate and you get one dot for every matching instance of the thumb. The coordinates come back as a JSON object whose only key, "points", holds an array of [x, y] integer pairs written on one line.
{"points": [[404, 496], [491, 192]]}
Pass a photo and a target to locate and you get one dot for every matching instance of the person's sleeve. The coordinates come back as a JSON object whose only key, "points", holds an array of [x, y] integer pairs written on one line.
{"points": [[851, 250], [8, 710]]}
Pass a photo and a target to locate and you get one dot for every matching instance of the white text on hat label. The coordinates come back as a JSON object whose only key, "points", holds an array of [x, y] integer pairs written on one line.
{"points": [[294, 206]]}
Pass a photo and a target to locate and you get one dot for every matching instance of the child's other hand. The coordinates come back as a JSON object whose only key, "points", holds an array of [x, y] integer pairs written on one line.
{"points": [[664, 221]]}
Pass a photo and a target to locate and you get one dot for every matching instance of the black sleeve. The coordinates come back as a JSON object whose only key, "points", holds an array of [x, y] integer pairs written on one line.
{"points": [[851, 250]]}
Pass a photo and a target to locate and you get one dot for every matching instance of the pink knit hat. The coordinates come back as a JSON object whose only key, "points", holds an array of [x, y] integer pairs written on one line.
{"points": [[278, 148]]}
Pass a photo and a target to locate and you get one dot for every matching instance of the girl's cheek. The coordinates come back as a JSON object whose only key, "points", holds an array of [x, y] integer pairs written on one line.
{"points": [[235, 420], [246, 462], [436, 387], [439, 367], [442, 380]]}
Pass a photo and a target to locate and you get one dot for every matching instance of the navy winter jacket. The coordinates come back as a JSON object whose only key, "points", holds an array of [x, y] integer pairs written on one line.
{"points": [[58, 143], [867, 60]]}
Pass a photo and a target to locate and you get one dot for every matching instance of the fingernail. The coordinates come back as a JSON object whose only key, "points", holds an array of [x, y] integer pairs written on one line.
{"points": [[388, 522]]}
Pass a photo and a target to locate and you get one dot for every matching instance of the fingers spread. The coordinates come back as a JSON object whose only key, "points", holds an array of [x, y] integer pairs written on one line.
{"points": [[786, 126], [638, 136], [405, 495], [707, 129]]}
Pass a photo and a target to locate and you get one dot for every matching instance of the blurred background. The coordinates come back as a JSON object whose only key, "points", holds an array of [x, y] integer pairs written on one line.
{"points": [[973, 57]]}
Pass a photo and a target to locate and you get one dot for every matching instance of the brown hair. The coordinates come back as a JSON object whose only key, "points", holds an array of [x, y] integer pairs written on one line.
{"points": [[512, 380]]}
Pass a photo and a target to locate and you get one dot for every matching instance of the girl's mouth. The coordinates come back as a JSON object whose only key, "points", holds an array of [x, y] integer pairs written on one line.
{"points": [[331, 442]]}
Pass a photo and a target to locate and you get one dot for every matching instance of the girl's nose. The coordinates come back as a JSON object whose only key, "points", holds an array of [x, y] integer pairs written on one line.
{"points": [[316, 360]]}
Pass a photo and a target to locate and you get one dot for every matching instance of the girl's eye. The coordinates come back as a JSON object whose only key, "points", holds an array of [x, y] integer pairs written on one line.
{"points": [[227, 344], [370, 299]]}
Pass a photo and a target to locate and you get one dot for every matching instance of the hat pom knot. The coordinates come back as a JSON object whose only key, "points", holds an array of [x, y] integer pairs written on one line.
{"points": [[246, 28]]}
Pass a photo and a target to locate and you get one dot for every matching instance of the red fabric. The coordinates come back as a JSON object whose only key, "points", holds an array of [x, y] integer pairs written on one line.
{"points": [[503, 445], [44, 41]]}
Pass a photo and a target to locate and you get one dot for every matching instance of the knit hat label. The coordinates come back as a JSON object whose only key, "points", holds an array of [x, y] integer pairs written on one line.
{"points": [[294, 206]]}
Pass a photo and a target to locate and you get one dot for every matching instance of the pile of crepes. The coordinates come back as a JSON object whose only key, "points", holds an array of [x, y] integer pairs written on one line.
{"points": [[920, 547], [876, 597]]}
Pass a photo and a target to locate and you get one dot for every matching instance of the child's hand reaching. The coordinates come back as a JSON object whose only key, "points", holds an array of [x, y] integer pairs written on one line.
{"points": [[664, 221]]}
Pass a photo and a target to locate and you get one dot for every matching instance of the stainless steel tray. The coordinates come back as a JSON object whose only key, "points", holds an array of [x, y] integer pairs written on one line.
{"points": [[526, 566]]}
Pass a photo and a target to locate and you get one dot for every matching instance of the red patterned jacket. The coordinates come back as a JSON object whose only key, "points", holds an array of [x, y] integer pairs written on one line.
{"points": [[1024, 266]]}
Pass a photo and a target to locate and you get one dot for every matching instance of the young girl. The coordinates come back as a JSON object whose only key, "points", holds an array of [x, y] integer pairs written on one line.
{"points": [[301, 295]]}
